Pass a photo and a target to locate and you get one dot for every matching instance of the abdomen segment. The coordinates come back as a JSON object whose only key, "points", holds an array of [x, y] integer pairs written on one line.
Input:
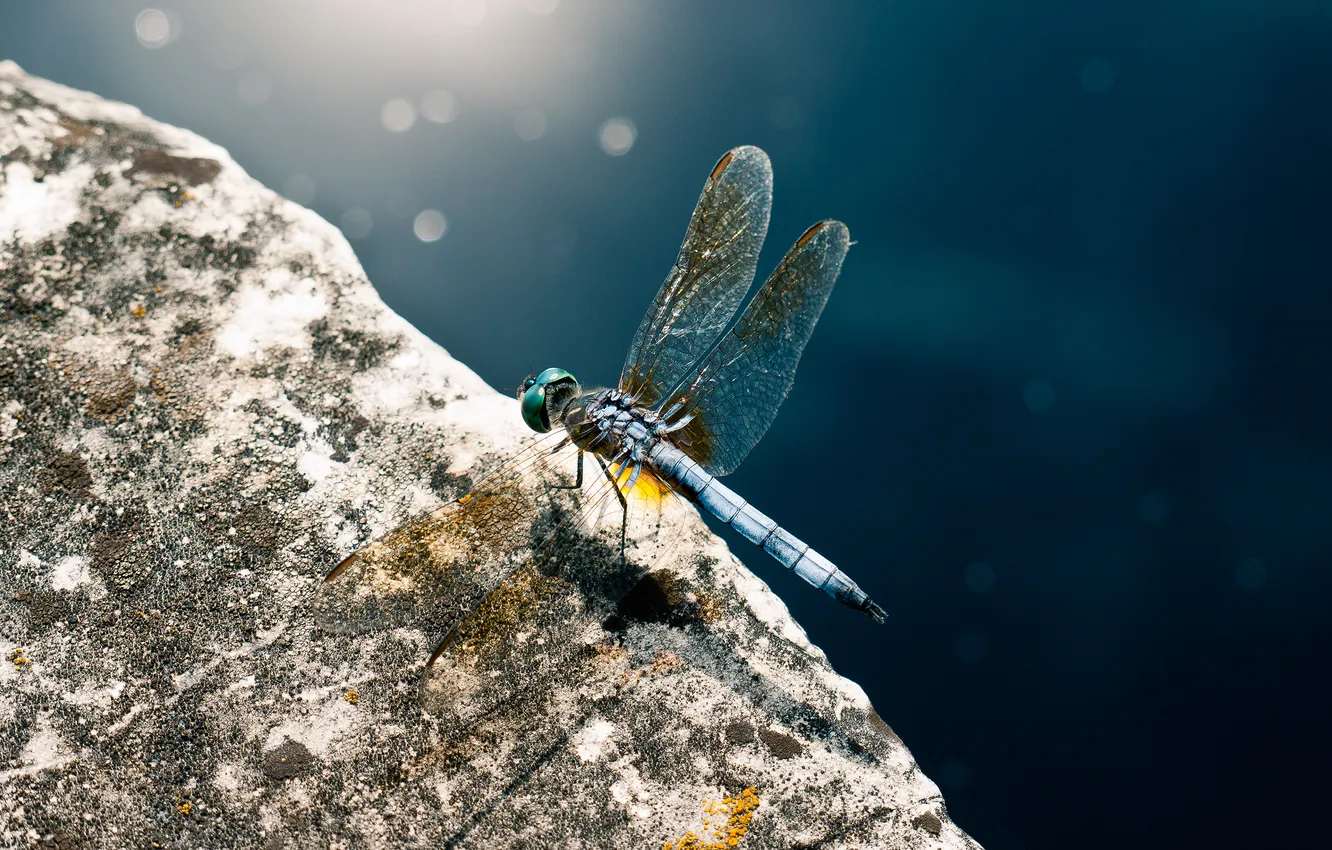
{"points": [[691, 480]]}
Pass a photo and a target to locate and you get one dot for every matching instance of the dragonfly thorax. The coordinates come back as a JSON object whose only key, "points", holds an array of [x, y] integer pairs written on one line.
{"points": [[609, 423]]}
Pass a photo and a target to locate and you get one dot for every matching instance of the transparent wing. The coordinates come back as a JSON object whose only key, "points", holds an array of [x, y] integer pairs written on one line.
{"points": [[736, 393], [435, 570], [709, 280]]}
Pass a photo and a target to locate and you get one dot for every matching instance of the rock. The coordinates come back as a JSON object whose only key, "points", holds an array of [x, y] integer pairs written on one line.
{"points": [[204, 406]]}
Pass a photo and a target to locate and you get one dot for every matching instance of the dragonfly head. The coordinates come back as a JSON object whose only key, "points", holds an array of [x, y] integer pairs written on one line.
{"points": [[546, 394]]}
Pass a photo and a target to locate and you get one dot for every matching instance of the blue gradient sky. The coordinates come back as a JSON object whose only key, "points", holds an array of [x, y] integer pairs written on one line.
{"points": [[1073, 381]]}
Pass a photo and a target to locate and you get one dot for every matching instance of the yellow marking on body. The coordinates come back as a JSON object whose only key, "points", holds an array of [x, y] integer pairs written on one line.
{"points": [[648, 488]]}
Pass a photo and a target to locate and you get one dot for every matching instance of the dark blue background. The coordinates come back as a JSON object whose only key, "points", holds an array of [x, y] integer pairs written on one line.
{"points": [[1081, 340]]}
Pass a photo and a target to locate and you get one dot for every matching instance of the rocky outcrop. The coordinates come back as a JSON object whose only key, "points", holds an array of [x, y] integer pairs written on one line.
{"points": [[204, 406]]}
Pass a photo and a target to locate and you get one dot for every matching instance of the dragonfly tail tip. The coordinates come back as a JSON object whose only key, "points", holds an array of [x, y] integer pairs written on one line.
{"points": [[875, 611]]}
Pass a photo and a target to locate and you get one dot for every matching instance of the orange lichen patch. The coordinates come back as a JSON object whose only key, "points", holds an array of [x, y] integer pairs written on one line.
{"points": [[609, 653], [709, 608], [20, 658], [351, 696], [725, 822], [181, 199], [139, 311], [664, 661], [184, 807]]}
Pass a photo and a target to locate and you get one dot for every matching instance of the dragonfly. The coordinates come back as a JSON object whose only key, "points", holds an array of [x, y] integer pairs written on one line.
{"points": [[698, 389]]}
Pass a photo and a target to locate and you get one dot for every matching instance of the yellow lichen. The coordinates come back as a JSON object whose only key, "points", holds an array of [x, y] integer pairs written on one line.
{"points": [[139, 311], [184, 808], [351, 696], [20, 658], [738, 811]]}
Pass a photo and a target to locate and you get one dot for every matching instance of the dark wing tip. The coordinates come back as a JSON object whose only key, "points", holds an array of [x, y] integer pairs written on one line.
{"points": [[750, 156], [721, 165], [809, 234], [835, 230]]}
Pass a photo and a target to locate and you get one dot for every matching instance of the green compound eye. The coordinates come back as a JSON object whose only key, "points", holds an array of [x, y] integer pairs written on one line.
{"points": [[532, 395]]}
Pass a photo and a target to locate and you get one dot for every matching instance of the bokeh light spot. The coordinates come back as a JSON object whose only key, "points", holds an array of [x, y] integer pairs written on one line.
{"points": [[1039, 396], [1098, 76], [970, 648], [254, 88], [1153, 507], [429, 225], [617, 136], [153, 28], [541, 7], [529, 124], [1250, 574], [979, 577], [439, 106], [397, 115], [299, 188], [357, 223]]}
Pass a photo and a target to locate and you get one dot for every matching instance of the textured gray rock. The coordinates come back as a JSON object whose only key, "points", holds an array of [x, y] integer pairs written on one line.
{"points": [[203, 407]]}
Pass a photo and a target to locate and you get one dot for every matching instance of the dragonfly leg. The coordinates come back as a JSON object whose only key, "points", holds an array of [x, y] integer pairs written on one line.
{"points": [[578, 483], [624, 511]]}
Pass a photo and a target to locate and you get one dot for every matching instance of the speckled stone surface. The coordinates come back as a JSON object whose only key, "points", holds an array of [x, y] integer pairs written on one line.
{"points": [[203, 407]]}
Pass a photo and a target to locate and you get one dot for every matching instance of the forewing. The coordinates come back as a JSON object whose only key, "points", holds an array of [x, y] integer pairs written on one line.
{"points": [[709, 280], [735, 395]]}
